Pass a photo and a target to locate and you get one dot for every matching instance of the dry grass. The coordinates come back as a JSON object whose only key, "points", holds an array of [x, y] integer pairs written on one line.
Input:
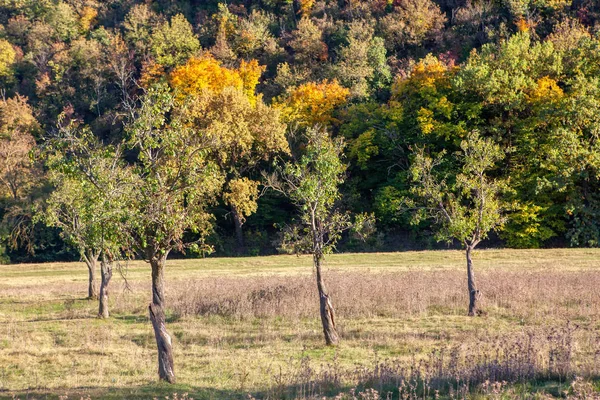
{"points": [[250, 325], [532, 295]]}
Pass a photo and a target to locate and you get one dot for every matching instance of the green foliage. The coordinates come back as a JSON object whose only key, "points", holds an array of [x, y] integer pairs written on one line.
{"points": [[93, 198], [462, 199], [312, 184], [174, 42], [177, 178], [361, 65], [318, 174], [388, 203], [363, 148], [503, 75], [138, 25], [63, 19], [539, 105], [3, 257], [525, 228]]}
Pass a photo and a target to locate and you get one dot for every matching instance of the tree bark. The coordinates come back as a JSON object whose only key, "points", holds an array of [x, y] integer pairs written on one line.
{"points": [[106, 271], [332, 337], [166, 371], [91, 261], [239, 233], [472, 286]]}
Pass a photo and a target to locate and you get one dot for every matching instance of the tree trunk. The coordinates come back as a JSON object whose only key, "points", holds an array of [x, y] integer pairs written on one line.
{"points": [[91, 261], [157, 316], [239, 233], [106, 271], [327, 312], [473, 292]]}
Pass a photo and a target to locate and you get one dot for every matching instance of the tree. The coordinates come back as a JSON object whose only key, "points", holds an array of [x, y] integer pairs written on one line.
{"points": [[538, 99], [174, 42], [177, 183], [205, 74], [253, 38], [225, 23], [244, 134], [463, 200], [7, 58], [310, 51], [90, 202], [138, 25], [361, 65], [19, 175], [313, 103], [244, 131], [411, 23], [17, 127], [312, 184]]}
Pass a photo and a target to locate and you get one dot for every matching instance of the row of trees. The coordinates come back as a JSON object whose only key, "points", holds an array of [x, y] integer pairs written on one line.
{"points": [[111, 208]]}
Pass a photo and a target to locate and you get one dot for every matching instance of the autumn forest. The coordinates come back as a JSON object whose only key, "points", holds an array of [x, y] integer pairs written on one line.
{"points": [[390, 82]]}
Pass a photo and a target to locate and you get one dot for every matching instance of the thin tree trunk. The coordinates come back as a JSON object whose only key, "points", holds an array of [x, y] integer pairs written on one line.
{"points": [[239, 233], [472, 286], [327, 312], [91, 261], [106, 271], [166, 371]]}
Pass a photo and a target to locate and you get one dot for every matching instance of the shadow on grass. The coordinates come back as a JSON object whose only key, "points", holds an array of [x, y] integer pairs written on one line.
{"points": [[159, 390], [61, 319], [151, 391], [142, 318], [132, 318]]}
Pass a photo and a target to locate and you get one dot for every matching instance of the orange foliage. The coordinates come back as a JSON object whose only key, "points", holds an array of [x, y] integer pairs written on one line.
{"points": [[151, 72], [313, 103], [522, 25], [206, 73]]}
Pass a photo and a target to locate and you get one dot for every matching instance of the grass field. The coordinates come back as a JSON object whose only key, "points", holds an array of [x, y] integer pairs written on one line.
{"points": [[249, 327]]}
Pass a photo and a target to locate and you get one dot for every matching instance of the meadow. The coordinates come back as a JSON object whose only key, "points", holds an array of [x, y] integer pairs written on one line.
{"points": [[249, 328]]}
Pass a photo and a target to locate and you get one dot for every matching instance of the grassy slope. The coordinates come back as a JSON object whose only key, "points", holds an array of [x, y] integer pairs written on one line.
{"points": [[51, 344]]}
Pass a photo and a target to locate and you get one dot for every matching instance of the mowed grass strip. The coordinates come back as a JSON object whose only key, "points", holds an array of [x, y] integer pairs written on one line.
{"points": [[239, 323]]}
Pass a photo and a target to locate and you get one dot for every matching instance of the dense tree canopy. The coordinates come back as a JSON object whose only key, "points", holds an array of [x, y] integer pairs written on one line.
{"points": [[244, 77]]}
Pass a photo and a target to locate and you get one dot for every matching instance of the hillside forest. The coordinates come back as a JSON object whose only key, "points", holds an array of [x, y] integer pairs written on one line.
{"points": [[141, 128]]}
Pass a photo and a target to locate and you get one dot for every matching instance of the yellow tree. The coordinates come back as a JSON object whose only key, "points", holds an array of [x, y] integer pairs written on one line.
{"points": [[306, 6], [206, 74], [17, 172], [313, 103], [17, 125], [243, 130], [7, 58]]}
